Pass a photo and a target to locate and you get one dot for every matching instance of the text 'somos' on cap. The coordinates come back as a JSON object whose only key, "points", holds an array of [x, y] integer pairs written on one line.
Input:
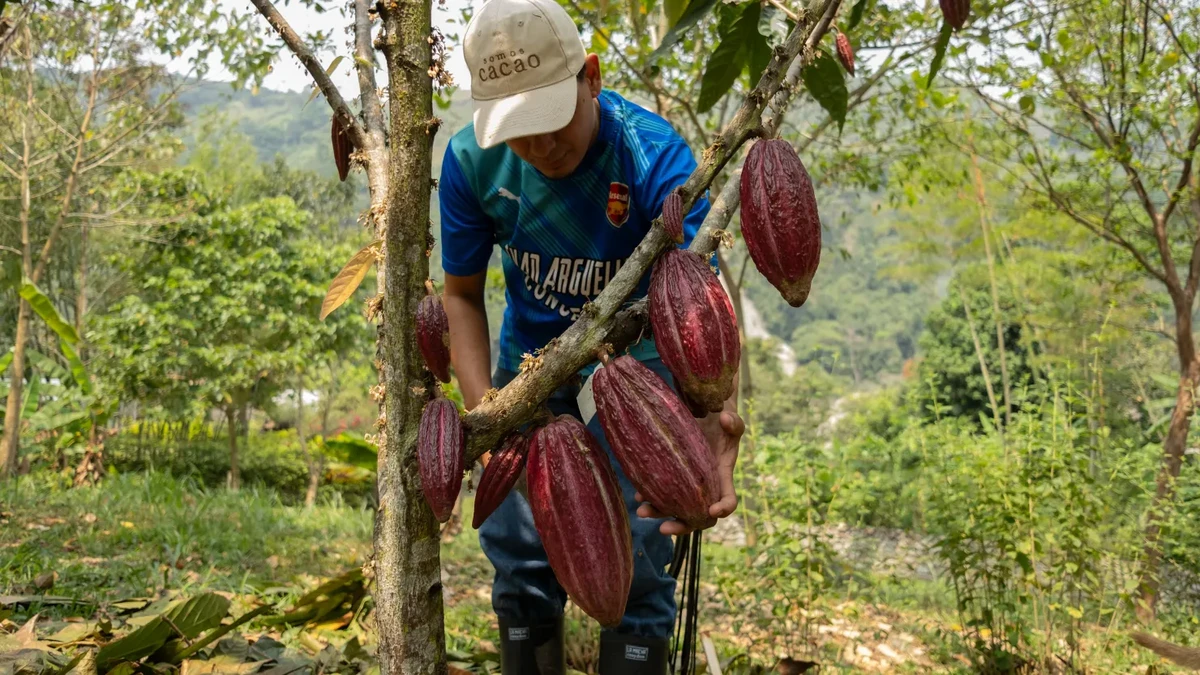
{"points": [[524, 56]]}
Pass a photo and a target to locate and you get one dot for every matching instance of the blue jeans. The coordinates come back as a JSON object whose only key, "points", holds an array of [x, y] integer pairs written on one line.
{"points": [[525, 587]]}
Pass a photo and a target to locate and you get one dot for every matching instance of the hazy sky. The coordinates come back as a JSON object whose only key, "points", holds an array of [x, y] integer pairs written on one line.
{"points": [[289, 75]]}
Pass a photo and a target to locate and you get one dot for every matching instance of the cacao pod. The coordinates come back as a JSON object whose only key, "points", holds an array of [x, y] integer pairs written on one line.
{"points": [[341, 149], [698, 411], [440, 456], [694, 327], [433, 336], [672, 216], [780, 222], [499, 477], [657, 441], [580, 515], [956, 12], [845, 52]]}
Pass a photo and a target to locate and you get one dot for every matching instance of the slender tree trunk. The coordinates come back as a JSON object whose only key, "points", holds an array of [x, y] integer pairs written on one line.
{"points": [[9, 444], [234, 481], [81, 283], [983, 367], [981, 196], [407, 563], [314, 474], [1174, 448], [327, 400]]}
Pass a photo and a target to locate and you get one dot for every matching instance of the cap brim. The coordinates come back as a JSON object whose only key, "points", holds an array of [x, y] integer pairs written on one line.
{"points": [[537, 111]]}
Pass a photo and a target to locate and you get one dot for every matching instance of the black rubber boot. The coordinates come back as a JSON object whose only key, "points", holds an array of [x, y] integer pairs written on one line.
{"points": [[632, 655], [532, 647]]}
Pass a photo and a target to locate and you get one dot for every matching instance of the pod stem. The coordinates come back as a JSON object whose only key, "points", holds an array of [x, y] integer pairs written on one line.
{"points": [[429, 287]]}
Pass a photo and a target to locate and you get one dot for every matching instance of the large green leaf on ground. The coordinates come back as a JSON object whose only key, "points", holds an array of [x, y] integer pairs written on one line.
{"points": [[44, 308], [190, 618]]}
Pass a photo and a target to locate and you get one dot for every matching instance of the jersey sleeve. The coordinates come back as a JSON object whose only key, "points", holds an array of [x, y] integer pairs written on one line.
{"points": [[670, 169], [467, 233]]}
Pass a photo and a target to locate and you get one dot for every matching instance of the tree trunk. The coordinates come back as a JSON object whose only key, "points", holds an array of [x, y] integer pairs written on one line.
{"points": [[81, 292], [12, 412], [235, 479], [314, 473], [407, 564], [1174, 448], [981, 196], [987, 377], [327, 400]]}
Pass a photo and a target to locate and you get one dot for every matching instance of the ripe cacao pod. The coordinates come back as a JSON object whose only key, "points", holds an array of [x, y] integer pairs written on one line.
{"points": [[580, 515], [694, 327], [956, 12], [433, 336], [341, 149], [698, 411], [780, 222], [440, 456], [845, 52], [657, 441], [499, 476], [672, 216]]}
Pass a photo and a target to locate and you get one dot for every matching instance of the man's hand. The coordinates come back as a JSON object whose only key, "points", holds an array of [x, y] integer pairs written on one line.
{"points": [[724, 432]]}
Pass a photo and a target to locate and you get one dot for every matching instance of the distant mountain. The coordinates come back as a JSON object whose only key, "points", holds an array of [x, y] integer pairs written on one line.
{"points": [[280, 123]]}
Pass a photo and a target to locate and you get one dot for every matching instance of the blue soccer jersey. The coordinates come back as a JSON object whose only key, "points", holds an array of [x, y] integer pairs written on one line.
{"points": [[561, 240]]}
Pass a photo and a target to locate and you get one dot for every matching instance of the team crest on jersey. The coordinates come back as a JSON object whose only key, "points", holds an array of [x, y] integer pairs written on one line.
{"points": [[618, 204]]}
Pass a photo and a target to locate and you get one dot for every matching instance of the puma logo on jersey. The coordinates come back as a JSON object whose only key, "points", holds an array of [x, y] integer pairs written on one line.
{"points": [[503, 192], [618, 204]]}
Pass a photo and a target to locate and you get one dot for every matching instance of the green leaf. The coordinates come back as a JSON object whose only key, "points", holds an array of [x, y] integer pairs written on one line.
{"points": [[939, 52], [190, 618], [825, 81], [31, 396], [738, 29], [673, 9], [1027, 104], [45, 309], [696, 10], [856, 14], [6, 360], [78, 372], [772, 24], [759, 58], [354, 451]]}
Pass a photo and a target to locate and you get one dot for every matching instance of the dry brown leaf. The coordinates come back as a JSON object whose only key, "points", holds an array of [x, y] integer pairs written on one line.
{"points": [[347, 281]]}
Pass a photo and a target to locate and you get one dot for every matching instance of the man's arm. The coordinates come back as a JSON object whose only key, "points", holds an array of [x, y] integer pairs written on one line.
{"points": [[470, 344]]}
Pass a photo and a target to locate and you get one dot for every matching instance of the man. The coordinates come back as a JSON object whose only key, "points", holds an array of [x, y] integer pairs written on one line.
{"points": [[566, 178]]}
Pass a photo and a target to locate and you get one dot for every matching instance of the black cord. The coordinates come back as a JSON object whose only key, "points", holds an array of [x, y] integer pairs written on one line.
{"points": [[687, 560]]}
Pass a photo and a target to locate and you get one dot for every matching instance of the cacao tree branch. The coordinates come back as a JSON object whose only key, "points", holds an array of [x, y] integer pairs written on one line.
{"points": [[516, 403], [295, 43], [364, 61]]}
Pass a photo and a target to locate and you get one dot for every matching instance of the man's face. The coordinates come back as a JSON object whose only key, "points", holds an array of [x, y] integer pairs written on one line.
{"points": [[557, 154]]}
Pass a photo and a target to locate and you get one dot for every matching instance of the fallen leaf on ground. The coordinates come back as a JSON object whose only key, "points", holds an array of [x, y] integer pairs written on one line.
{"points": [[45, 580], [89, 518]]}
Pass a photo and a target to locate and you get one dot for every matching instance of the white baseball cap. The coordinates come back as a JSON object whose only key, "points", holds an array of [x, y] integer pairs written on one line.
{"points": [[524, 56]]}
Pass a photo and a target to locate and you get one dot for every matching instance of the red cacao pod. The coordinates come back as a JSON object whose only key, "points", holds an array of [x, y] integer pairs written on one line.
{"points": [[580, 515], [956, 12], [341, 149], [780, 222], [698, 411], [657, 441], [433, 336], [845, 52], [672, 216], [440, 456], [499, 476], [694, 327]]}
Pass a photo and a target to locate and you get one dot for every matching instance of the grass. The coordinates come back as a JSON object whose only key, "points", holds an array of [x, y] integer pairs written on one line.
{"points": [[137, 535]]}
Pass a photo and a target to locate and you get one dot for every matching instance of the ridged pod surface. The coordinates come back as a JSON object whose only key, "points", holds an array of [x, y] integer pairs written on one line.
{"points": [[780, 222], [440, 456], [657, 441], [956, 12], [433, 336], [580, 515], [341, 149], [694, 328], [845, 52], [499, 476], [672, 216]]}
